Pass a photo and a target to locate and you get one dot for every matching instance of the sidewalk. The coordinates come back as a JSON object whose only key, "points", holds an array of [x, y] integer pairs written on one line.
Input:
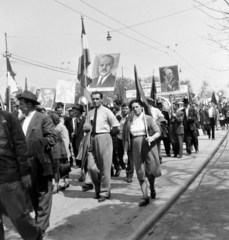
{"points": [[76, 215]]}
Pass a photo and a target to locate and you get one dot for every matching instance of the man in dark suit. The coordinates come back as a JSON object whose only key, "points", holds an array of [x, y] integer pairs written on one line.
{"points": [[46, 98], [177, 130], [78, 132], [105, 78], [40, 137], [190, 116], [166, 140]]}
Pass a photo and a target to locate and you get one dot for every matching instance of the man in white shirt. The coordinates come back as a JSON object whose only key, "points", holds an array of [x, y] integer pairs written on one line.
{"points": [[213, 118]]}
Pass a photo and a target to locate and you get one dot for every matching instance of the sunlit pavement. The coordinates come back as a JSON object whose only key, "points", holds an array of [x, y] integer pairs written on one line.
{"points": [[77, 215]]}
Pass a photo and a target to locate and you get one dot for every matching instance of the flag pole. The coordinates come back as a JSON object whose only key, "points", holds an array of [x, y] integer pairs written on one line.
{"points": [[145, 123], [7, 75]]}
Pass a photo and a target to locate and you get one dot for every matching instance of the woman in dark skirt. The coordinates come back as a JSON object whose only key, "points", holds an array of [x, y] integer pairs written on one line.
{"points": [[143, 149]]}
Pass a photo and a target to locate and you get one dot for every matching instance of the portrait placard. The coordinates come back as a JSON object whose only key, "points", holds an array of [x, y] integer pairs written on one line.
{"points": [[46, 97], [169, 79], [104, 72], [65, 91]]}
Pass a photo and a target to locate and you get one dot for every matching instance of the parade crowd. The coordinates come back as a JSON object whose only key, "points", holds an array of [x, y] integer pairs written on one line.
{"points": [[38, 148]]}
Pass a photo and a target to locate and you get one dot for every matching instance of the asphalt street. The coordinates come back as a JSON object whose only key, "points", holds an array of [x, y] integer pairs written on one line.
{"points": [[77, 215]]}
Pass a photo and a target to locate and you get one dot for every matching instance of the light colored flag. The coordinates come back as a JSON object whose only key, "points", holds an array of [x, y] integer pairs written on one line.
{"points": [[11, 77], [84, 62]]}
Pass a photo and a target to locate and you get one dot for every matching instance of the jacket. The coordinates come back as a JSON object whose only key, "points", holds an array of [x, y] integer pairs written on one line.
{"points": [[14, 163]]}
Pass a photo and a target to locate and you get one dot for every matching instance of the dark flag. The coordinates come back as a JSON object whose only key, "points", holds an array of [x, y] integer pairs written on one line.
{"points": [[84, 62], [153, 90], [140, 94], [214, 99]]}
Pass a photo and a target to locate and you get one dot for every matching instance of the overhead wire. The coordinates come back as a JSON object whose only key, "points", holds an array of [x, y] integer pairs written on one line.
{"points": [[145, 36]]}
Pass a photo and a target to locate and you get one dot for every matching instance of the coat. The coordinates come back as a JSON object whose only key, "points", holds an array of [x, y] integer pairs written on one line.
{"points": [[41, 127], [109, 82], [189, 123]]}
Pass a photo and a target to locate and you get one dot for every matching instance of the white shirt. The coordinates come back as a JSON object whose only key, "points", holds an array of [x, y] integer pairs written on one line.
{"points": [[156, 113], [27, 122], [137, 127], [210, 112], [186, 111]]}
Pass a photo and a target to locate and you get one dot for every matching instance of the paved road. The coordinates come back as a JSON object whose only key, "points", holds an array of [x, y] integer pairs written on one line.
{"points": [[76, 215]]}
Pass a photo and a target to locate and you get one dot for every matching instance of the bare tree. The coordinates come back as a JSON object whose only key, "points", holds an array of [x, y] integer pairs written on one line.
{"points": [[218, 12], [204, 89]]}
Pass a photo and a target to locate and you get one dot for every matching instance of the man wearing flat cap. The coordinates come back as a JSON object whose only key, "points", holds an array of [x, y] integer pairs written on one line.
{"points": [[40, 137]]}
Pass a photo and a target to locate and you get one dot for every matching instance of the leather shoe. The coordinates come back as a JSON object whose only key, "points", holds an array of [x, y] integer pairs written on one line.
{"points": [[153, 194], [129, 180], [143, 202], [102, 199], [175, 155], [117, 173], [87, 187], [66, 185], [97, 196]]}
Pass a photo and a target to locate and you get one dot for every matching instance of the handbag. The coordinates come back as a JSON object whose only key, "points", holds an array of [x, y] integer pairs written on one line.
{"points": [[65, 168]]}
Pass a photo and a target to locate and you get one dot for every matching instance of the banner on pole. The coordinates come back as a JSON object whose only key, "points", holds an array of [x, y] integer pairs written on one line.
{"points": [[65, 91], [46, 97], [104, 72]]}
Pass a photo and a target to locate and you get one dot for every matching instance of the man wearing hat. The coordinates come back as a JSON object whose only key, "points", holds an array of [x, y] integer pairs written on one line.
{"points": [[40, 137], [190, 116], [78, 121]]}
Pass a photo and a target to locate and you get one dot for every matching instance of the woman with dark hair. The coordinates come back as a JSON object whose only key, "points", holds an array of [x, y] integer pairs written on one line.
{"points": [[142, 148], [60, 151]]}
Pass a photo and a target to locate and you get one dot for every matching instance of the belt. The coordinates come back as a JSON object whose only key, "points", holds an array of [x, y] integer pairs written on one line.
{"points": [[94, 134]]}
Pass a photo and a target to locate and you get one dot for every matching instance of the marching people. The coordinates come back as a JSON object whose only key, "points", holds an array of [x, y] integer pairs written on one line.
{"points": [[60, 152], [15, 178], [212, 113], [143, 148], [102, 125], [177, 130], [130, 167], [40, 137], [190, 127]]}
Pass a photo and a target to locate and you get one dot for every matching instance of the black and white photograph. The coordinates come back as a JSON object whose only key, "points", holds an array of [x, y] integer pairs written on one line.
{"points": [[46, 97], [104, 72]]}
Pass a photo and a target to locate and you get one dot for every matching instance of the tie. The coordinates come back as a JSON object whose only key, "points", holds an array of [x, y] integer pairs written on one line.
{"points": [[94, 123], [75, 121]]}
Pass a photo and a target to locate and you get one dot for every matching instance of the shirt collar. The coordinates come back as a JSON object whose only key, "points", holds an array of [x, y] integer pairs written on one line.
{"points": [[30, 115]]}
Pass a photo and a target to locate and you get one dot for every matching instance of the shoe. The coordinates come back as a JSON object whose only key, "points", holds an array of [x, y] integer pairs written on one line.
{"points": [[117, 173], [143, 202], [188, 154], [97, 196], [153, 194], [81, 179], [175, 155], [213, 138], [180, 156], [169, 155], [129, 180], [66, 185], [102, 199], [87, 187]]}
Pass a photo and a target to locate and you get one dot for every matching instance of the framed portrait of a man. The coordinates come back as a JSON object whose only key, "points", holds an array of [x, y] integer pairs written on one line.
{"points": [[104, 72], [46, 97], [65, 91], [169, 79]]}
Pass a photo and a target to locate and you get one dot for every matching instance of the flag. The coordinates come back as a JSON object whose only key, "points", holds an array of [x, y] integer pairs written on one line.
{"points": [[140, 94], [214, 99], [11, 77], [26, 85], [153, 90], [84, 62]]}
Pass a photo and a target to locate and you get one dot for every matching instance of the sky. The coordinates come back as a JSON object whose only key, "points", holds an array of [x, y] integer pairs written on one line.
{"points": [[148, 34]]}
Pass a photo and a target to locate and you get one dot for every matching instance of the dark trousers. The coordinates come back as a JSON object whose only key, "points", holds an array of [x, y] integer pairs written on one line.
{"points": [[187, 138], [212, 125], [178, 145], [166, 142], [13, 205], [194, 139], [130, 164], [41, 197]]}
